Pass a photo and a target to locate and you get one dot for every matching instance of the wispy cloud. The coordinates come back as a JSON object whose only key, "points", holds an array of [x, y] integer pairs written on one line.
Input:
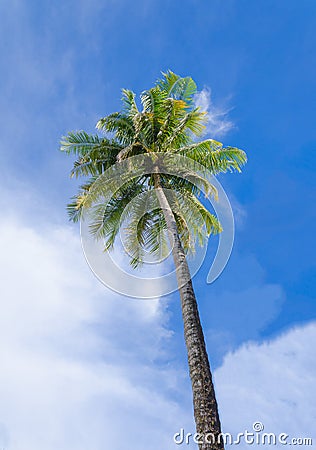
{"points": [[272, 382], [218, 124]]}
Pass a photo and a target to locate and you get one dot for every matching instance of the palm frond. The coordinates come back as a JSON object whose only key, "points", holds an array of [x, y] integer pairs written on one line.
{"points": [[97, 160], [76, 207], [119, 124], [214, 156], [190, 171], [199, 222], [153, 100], [79, 143], [107, 217], [177, 87], [193, 122], [144, 228], [174, 111], [153, 113], [130, 108]]}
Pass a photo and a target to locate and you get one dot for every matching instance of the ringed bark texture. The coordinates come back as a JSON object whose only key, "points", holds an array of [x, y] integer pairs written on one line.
{"points": [[205, 405]]}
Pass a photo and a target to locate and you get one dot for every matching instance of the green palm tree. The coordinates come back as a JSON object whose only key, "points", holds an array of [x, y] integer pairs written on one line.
{"points": [[148, 142]]}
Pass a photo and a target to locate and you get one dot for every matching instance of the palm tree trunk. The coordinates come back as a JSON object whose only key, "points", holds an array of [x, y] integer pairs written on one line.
{"points": [[204, 401]]}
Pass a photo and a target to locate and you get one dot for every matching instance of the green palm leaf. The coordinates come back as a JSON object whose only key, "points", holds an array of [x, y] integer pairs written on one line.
{"points": [[177, 87], [79, 143]]}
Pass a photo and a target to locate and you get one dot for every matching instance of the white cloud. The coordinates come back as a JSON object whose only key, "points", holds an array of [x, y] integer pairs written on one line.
{"points": [[78, 362], [218, 125], [272, 382]]}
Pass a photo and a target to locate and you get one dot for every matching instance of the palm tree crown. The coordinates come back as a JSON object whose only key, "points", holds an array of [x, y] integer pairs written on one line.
{"points": [[147, 142]]}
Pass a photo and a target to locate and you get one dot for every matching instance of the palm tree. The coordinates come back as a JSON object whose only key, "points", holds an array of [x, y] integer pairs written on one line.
{"points": [[148, 140]]}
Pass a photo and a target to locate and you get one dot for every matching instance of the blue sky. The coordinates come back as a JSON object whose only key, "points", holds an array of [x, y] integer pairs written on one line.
{"points": [[66, 337]]}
